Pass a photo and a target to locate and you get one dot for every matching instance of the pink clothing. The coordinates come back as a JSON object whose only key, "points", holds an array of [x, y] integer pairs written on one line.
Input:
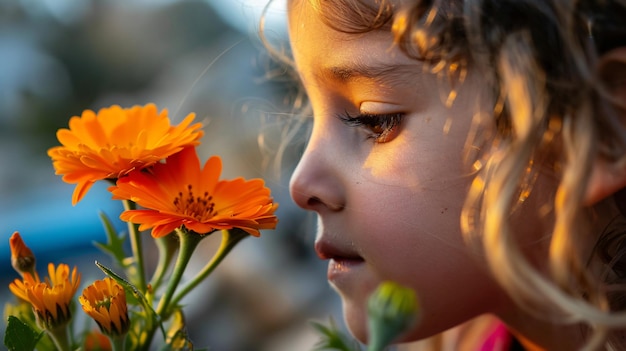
{"points": [[498, 339]]}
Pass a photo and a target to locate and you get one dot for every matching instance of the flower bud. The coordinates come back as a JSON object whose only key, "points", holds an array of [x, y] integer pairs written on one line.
{"points": [[22, 258], [105, 302], [392, 310]]}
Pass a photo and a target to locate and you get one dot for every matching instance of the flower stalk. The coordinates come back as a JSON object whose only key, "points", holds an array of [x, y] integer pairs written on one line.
{"points": [[118, 343], [60, 337], [166, 247], [188, 243], [230, 238], [136, 246]]}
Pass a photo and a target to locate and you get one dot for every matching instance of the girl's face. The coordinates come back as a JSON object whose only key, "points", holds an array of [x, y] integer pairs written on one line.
{"points": [[384, 172]]}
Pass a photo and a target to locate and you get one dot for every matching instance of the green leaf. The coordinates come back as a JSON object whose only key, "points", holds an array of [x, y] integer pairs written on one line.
{"points": [[333, 339], [115, 243], [128, 287], [19, 336]]}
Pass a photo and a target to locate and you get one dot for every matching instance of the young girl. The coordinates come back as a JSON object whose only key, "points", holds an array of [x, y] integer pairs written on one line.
{"points": [[474, 151]]}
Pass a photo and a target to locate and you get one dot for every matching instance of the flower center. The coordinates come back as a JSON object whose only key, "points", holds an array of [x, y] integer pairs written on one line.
{"points": [[106, 303], [198, 207]]}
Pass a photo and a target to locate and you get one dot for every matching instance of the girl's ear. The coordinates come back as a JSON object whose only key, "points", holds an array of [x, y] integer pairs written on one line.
{"points": [[606, 179], [609, 177]]}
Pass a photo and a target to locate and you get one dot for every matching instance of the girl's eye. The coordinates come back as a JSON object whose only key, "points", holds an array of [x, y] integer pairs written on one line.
{"points": [[381, 128]]}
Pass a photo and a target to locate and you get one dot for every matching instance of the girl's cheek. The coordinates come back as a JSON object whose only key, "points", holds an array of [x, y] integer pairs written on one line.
{"points": [[393, 167]]}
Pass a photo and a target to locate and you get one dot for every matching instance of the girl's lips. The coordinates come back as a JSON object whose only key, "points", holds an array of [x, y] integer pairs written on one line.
{"points": [[327, 251], [339, 267], [341, 263]]}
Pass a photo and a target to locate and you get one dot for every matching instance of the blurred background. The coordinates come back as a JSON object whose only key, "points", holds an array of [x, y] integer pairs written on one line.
{"points": [[59, 57]]}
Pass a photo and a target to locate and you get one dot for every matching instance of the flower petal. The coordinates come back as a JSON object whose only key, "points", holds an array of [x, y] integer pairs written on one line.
{"points": [[116, 141], [177, 192]]}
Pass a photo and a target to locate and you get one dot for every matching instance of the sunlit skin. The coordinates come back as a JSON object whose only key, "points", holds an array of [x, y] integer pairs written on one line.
{"points": [[389, 207]]}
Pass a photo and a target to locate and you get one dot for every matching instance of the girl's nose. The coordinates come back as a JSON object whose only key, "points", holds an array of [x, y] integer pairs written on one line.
{"points": [[317, 182]]}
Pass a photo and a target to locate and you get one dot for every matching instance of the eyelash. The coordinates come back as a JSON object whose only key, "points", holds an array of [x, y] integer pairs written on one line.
{"points": [[378, 126]]}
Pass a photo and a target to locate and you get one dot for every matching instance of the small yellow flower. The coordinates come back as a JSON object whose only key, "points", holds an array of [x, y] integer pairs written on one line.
{"points": [[50, 299], [115, 141], [22, 258], [105, 302]]}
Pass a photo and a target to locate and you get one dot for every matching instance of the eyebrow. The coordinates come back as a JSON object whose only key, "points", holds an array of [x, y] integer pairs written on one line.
{"points": [[379, 72]]}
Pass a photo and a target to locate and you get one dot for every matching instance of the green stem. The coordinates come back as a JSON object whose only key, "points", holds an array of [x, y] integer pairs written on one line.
{"points": [[117, 343], [230, 238], [135, 243], [375, 345], [60, 337], [188, 243], [167, 248]]}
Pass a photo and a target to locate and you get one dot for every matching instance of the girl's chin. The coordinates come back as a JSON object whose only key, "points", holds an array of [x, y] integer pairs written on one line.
{"points": [[355, 317], [356, 320], [354, 294]]}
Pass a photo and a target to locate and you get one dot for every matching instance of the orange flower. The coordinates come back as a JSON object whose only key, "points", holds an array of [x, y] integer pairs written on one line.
{"points": [[178, 192], [105, 302], [110, 144], [50, 299], [96, 341], [22, 258]]}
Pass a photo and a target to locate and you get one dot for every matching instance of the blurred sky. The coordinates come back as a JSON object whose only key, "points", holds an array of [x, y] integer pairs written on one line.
{"points": [[59, 57]]}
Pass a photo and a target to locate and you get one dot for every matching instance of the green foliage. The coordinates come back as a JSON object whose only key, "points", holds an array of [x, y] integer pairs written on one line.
{"points": [[333, 339], [20, 336], [392, 310], [115, 243], [23, 312]]}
